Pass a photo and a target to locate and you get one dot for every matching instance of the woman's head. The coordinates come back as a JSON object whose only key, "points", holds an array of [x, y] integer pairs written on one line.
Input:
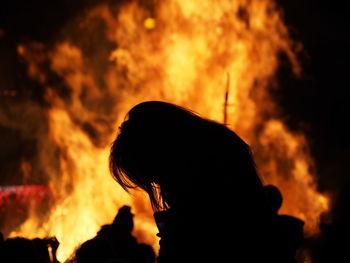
{"points": [[162, 147]]}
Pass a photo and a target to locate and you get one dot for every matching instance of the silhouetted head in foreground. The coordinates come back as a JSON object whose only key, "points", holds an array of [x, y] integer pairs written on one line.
{"points": [[171, 153], [120, 230], [124, 219], [274, 197]]}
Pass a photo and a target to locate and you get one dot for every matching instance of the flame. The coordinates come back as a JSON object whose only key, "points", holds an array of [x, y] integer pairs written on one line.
{"points": [[182, 51]]}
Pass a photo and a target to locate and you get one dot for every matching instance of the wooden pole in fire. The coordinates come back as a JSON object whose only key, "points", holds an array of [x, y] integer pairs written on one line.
{"points": [[226, 97]]}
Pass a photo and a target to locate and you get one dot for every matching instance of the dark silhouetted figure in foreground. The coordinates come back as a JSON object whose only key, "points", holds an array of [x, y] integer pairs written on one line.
{"points": [[115, 243], [209, 202], [41, 246], [95, 250], [22, 250], [119, 234], [18, 250], [143, 254], [290, 229]]}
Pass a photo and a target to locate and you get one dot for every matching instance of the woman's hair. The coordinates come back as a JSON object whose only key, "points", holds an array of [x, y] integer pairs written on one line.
{"points": [[162, 148]]}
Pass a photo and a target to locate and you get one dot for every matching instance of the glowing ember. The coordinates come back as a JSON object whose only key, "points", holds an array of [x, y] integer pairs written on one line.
{"points": [[181, 51]]}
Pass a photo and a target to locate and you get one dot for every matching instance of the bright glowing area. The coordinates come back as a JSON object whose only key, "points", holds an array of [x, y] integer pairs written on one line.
{"points": [[149, 23], [186, 61]]}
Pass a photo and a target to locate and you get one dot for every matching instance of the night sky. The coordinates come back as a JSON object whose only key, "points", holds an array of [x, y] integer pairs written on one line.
{"points": [[317, 103]]}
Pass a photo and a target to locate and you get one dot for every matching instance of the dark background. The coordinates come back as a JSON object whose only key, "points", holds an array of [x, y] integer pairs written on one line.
{"points": [[317, 103]]}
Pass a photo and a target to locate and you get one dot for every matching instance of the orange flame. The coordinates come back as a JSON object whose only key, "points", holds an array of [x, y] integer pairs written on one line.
{"points": [[179, 51]]}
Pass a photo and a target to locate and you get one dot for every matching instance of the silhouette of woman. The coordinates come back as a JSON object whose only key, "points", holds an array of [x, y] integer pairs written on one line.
{"points": [[209, 202]]}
